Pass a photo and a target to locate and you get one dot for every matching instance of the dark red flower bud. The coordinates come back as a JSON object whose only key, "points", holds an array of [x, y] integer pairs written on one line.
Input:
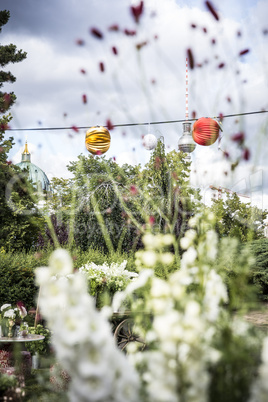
{"points": [[96, 32], [246, 154], [75, 128], [137, 11], [114, 50], [239, 137], [114, 28], [80, 42], [212, 10], [109, 125], [190, 58], [129, 32], [245, 51]]}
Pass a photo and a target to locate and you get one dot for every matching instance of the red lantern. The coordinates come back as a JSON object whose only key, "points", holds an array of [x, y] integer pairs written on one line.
{"points": [[205, 131]]}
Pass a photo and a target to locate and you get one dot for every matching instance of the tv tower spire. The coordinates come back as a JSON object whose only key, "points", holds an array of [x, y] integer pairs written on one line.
{"points": [[186, 94], [186, 143]]}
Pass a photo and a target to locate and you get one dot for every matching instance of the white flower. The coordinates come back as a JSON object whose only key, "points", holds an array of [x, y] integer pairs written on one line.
{"points": [[5, 306], [160, 288], [61, 262], [185, 242], [167, 258], [149, 258], [82, 338], [11, 313], [168, 239], [149, 240], [188, 257]]}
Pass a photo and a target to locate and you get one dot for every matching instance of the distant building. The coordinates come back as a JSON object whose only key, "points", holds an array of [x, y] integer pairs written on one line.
{"points": [[35, 174]]}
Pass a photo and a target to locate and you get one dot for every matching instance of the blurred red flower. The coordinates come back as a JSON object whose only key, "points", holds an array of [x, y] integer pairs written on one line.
{"points": [[212, 10], [96, 32], [137, 11]]}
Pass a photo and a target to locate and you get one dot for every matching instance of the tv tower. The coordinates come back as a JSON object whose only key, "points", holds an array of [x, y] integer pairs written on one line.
{"points": [[186, 142]]}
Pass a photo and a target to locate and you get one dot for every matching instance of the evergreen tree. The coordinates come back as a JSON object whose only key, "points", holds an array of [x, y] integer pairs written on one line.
{"points": [[168, 196], [8, 54], [19, 217]]}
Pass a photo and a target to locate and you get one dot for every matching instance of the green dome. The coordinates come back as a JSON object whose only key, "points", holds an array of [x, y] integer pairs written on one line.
{"points": [[36, 175]]}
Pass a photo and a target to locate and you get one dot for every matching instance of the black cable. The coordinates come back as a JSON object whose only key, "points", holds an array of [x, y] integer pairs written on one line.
{"points": [[130, 124]]}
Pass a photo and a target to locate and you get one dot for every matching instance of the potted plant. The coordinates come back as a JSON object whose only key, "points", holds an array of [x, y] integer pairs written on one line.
{"points": [[9, 317], [38, 348], [105, 280]]}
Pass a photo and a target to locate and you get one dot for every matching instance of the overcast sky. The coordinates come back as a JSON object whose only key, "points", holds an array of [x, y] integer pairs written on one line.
{"points": [[142, 85]]}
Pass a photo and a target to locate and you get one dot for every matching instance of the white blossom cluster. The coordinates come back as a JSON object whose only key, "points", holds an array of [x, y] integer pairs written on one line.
{"points": [[7, 311], [114, 273], [154, 251], [82, 337], [181, 333]]}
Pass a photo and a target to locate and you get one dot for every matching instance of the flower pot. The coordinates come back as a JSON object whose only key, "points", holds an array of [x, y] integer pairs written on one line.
{"points": [[4, 327], [35, 361]]}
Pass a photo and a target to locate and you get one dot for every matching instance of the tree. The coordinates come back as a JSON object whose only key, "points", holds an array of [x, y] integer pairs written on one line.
{"points": [[102, 201], [20, 220], [260, 268], [8, 54], [165, 184], [237, 219]]}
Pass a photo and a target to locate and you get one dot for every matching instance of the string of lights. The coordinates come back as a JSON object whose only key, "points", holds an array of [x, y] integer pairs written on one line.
{"points": [[131, 124]]}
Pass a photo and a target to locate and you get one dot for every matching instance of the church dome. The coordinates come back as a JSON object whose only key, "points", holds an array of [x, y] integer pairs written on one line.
{"points": [[35, 174]]}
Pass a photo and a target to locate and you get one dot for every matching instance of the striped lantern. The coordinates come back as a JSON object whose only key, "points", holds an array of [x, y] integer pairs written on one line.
{"points": [[98, 140], [205, 131]]}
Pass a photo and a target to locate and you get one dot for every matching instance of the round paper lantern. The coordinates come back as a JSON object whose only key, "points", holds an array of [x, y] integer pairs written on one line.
{"points": [[149, 142], [98, 140], [205, 131]]}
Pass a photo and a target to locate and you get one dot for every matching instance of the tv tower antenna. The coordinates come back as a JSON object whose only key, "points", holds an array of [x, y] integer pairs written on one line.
{"points": [[186, 142], [186, 94]]}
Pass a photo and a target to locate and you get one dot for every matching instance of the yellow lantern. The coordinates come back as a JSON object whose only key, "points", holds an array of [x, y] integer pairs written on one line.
{"points": [[98, 140]]}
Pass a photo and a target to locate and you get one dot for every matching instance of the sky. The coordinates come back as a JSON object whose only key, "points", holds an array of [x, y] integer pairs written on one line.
{"points": [[142, 80]]}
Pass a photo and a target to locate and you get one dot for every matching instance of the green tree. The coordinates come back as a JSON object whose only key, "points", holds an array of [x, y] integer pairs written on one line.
{"points": [[8, 54], [20, 220], [168, 196], [260, 267], [237, 219], [102, 202]]}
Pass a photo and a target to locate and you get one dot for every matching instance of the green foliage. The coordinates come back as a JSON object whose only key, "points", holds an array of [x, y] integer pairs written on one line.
{"points": [[259, 269], [17, 277], [7, 382], [234, 262], [8, 54], [237, 219], [108, 205], [166, 191], [100, 219], [39, 347], [17, 271], [20, 219], [232, 374]]}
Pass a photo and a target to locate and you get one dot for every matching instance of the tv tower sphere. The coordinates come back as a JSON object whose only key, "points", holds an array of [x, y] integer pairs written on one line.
{"points": [[186, 142]]}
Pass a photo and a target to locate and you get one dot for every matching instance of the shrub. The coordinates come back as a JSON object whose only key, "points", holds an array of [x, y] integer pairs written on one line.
{"points": [[259, 271], [17, 271]]}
